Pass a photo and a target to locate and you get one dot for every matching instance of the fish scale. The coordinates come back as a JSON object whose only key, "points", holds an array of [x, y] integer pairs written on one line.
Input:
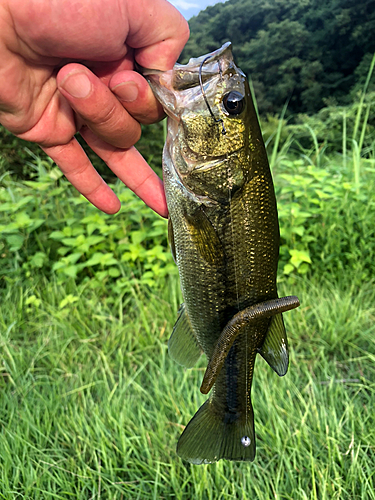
{"points": [[224, 234]]}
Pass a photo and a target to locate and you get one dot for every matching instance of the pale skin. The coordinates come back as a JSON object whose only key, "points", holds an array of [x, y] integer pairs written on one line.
{"points": [[67, 66]]}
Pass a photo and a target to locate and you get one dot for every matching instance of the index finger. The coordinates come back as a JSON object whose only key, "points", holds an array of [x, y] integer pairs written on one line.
{"points": [[157, 32]]}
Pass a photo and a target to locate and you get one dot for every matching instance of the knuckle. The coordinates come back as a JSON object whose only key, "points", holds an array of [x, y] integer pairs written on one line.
{"points": [[121, 131], [126, 137], [78, 170], [106, 115], [94, 188]]}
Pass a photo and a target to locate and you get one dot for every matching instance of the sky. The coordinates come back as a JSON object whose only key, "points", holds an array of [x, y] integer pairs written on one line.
{"points": [[189, 8]]}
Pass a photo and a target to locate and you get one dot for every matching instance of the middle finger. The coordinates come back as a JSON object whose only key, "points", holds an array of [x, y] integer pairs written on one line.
{"points": [[97, 106]]}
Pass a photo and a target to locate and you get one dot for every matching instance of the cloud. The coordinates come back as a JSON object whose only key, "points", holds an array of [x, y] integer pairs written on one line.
{"points": [[184, 5]]}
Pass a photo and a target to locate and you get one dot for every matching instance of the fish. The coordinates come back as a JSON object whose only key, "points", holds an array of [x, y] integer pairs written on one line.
{"points": [[223, 232]]}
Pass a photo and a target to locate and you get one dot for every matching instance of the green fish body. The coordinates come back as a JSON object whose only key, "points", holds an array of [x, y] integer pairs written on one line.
{"points": [[224, 235]]}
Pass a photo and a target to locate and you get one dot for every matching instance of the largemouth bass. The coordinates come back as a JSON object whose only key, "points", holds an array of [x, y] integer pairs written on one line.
{"points": [[224, 236]]}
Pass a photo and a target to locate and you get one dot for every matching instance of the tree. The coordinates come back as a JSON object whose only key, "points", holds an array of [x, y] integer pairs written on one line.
{"points": [[306, 51]]}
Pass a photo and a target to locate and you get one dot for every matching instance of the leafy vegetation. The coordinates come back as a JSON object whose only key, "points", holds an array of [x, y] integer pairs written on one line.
{"points": [[326, 211], [307, 52], [55, 232], [16, 154]]}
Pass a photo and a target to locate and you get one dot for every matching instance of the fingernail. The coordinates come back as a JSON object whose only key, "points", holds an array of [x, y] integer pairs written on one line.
{"points": [[77, 85], [126, 91]]}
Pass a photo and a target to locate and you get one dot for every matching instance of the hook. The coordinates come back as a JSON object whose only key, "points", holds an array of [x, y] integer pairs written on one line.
{"points": [[216, 120]]}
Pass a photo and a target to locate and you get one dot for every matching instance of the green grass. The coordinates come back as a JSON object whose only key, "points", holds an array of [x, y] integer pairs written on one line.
{"points": [[92, 406]]}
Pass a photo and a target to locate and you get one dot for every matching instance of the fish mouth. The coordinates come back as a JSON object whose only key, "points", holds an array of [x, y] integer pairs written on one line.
{"points": [[189, 75]]}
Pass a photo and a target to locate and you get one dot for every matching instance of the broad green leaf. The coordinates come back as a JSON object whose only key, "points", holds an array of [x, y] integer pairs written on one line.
{"points": [[114, 272], [23, 219], [15, 241], [70, 271], [38, 259], [33, 300], [69, 299], [57, 235], [299, 256], [298, 230], [70, 242]]}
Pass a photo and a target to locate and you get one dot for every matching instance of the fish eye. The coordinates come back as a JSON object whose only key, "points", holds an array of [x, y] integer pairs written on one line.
{"points": [[234, 102]]}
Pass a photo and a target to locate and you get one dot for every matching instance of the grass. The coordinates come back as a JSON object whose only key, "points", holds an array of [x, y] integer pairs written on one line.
{"points": [[92, 406]]}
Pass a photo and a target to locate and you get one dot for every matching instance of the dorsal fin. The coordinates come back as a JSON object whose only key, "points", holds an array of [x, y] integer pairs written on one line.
{"points": [[275, 347]]}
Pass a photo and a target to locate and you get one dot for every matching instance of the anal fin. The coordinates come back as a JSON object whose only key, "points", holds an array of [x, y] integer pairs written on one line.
{"points": [[183, 345]]}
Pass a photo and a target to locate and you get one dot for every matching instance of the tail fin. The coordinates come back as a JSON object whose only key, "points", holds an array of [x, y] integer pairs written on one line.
{"points": [[210, 436]]}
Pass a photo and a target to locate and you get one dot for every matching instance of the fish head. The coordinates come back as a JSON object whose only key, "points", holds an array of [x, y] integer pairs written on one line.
{"points": [[212, 127]]}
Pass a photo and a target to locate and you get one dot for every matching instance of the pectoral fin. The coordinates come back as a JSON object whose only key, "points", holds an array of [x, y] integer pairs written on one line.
{"points": [[171, 239], [236, 325], [183, 345], [275, 347], [204, 237]]}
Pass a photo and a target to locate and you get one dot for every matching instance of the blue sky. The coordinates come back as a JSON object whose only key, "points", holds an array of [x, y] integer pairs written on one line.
{"points": [[189, 8]]}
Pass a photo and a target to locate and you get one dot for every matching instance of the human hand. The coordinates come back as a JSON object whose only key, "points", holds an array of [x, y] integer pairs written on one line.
{"points": [[63, 64]]}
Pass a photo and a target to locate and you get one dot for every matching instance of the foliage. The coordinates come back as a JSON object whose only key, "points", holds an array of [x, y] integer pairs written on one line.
{"points": [[336, 126], [54, 231], [325, 201], [325, 206], [303, 51], [16, 153], [326, 218]]}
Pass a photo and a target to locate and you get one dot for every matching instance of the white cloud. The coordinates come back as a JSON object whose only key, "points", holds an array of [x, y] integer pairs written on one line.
{"points": [[184, 5]]}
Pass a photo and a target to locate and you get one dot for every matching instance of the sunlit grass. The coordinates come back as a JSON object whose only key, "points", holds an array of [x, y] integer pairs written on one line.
{"points": [[92, 406]]}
